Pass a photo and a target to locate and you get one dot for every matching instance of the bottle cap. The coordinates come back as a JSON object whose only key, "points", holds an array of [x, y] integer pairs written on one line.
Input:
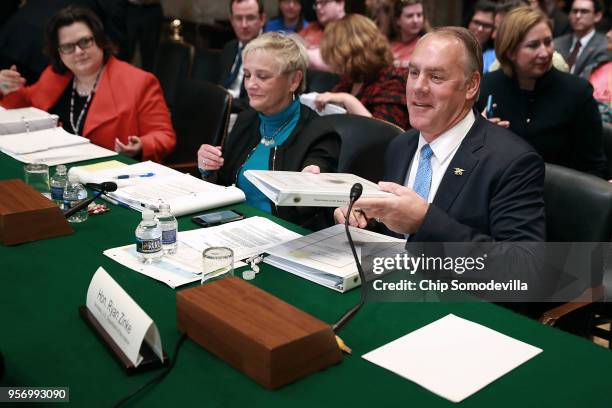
{"points": [[60, 169], [148, 214]]}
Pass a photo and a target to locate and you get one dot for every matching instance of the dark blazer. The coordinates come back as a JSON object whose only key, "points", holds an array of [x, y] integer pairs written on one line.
{"points": [[309, 143], [559, 117], [499, 197], [228, 56], [596, 52]]}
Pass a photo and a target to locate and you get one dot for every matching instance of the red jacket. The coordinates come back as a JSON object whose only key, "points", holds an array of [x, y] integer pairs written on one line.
{"points": [[128, 102]]}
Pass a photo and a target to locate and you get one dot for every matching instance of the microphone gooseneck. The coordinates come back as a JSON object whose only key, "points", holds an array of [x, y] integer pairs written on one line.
{"points": [[356, 191], [100, 189]]}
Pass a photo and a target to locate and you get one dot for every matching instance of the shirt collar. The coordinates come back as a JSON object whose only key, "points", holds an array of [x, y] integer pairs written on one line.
{"points": [[447, 142], [584, 40]]}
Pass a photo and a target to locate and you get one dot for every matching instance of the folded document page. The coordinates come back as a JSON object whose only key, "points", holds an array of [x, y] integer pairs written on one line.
{"points": [[453, 357], [291, 188], [246, 238], [142, 185], [325, 257]]}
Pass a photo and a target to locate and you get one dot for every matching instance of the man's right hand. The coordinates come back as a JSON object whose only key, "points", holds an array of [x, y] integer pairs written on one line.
{"points": [[10, 80], [210, 157], [358, 218]]}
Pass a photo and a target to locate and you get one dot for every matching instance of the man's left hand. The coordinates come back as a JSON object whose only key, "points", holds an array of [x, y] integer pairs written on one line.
{"points": [[132, 148], [402, 213]]}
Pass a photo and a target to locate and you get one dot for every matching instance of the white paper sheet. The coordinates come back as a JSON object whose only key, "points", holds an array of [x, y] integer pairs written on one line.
{"points": [[39, 141], [64, 155], [246, 238], [184, 193], [24, 119], [453, 357], [329, 109]]}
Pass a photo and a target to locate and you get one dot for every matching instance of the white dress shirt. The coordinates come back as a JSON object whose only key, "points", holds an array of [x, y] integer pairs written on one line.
{"points": [[584, 41], [234, 88], [444, 148]]}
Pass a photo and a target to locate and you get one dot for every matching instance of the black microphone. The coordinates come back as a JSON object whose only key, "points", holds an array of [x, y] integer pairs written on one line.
{"points": [[107, 186], [356, 191], [100, 189]]}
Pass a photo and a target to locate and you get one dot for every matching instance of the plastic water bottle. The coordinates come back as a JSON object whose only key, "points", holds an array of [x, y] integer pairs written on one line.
{"points": [[74, 193], [58, 184], [149, 239], [169, 228]]}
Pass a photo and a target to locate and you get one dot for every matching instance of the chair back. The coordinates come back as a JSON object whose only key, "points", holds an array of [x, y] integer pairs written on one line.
{"points": [[320, 81], [607, 142], [206, 65], [578, 206], [172, 63], [364, 142], [200, 116]]}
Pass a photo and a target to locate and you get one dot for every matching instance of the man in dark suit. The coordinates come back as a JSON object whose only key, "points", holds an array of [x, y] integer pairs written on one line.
{"points": [[456, 177], [583, 48], [247, 18]]}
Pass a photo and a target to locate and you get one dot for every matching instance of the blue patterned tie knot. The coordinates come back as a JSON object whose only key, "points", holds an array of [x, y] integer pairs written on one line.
{"points": [[422, 181]]}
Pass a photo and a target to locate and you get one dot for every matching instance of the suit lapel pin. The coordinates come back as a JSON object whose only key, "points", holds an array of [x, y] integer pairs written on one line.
{"points": [[459, 171]]}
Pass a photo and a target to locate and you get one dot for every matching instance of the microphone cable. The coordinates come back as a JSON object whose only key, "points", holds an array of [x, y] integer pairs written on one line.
{"points": [[159, 378]]}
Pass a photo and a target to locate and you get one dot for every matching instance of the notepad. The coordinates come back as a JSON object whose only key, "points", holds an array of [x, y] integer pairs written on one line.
{"points": [[453, 357]]}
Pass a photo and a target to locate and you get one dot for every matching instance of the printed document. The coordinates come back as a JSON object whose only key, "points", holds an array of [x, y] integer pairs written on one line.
{"points": [[142, 185], [294, 188], [246, 238], [51, 146], [25, 120], [453, 357], [325, 257]]}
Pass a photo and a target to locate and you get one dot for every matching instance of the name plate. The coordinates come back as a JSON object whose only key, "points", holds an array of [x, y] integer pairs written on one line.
{"points": [[121, 318]]}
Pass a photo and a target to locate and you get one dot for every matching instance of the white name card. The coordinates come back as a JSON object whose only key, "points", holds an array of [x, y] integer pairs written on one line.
{"points": [[124, 321]]}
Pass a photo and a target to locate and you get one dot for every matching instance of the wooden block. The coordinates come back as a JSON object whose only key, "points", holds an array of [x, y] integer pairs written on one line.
{"points": [[26, 215], [266, 338]]}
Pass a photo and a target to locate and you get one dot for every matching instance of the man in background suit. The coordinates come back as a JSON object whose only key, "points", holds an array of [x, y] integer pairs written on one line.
{"points": [[247, 18], [455, 177], [583, 48]]}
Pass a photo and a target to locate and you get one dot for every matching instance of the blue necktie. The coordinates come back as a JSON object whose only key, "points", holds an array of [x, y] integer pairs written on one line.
{"points": [[422, 181], [234, 74]]}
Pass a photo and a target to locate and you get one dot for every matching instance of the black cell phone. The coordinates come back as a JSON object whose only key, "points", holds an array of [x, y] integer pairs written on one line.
{"points": [[217, 218]]}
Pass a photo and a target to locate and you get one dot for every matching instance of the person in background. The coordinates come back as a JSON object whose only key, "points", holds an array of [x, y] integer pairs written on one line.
{"points": [[601, 80], [290, 18], [247, 18], [409, 24], [559, 18], [370, 85], [584, 48], [554, 111], [327, 11], [143, 24], [113, 103], [380, 12], [501, 11], [482, 25], [277, 133]]}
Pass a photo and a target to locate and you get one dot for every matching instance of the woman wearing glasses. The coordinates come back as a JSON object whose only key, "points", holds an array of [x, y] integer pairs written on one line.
{"points": [[95, 95]]}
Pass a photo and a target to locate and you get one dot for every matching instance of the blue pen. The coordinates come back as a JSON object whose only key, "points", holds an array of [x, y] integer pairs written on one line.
{"points": [[489, 111], [128, 176]]}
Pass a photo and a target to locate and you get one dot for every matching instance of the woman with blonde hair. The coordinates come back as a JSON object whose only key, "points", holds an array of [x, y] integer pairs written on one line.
{"points": [[370, 86], [554, 111], [277, 132]]}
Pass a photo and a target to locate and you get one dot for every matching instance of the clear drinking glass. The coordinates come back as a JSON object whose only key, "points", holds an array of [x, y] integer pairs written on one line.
{"points": [[217, 262], [37, 176]]}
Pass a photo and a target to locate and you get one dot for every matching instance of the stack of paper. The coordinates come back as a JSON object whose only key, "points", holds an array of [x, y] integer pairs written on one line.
{"points": [[246, 238], [453, 357], [325, 257], [51, 146], [292, 188], [142, 185], [25, 120]]}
